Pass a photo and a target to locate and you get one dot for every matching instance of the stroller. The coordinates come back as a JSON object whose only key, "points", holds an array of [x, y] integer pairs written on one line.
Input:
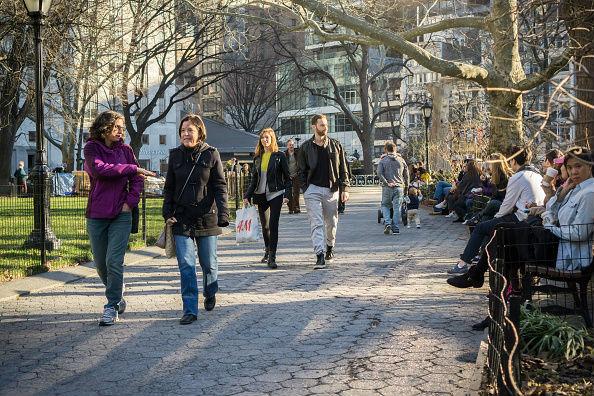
{"points": [[403, 214]]}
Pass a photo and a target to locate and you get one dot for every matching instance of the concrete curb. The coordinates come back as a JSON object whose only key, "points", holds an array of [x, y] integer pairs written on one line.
{"points": [[476, 379], [47, 280]]}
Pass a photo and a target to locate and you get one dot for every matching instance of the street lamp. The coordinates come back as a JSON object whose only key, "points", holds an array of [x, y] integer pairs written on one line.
{"points": [[42, 236], [427, 109]]}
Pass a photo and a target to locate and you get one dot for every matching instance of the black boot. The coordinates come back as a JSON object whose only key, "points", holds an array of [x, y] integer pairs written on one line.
{"points": [[320, 261], [272, 260], [265, 258], [329, 253]]}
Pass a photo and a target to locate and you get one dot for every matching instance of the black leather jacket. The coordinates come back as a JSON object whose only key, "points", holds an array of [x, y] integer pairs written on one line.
{"points": [[277, 175], [308, 160], [202, 208]]}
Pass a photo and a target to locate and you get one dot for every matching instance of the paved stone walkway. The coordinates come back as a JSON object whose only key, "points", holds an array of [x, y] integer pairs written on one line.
{"points": [[379, 320]]}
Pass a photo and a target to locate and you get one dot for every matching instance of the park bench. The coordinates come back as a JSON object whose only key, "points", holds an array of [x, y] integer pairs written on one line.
{"points": [[577, 283]]}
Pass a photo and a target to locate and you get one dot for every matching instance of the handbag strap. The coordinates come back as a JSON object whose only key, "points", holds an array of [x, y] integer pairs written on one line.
{"points": [[187, 180]]}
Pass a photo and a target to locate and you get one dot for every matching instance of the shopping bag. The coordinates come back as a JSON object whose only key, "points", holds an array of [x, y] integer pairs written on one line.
{"points": [[166, 241], [247, 228]]}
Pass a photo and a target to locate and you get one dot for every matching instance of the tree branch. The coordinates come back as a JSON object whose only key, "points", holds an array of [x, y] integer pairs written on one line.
{"points": [[393, 40], [462, 22], [535, 79]]}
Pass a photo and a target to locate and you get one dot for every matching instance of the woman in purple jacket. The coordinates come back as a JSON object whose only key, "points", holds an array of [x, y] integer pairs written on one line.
{"points": [[116, 183]]}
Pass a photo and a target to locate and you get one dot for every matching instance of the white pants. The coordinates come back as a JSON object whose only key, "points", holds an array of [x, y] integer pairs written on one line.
{"points": [[413, 214], [322, 211]]}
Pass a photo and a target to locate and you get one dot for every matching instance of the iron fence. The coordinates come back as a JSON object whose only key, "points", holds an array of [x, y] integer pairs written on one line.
{"points": [[66, 241], [549, 267], [65, 238]]}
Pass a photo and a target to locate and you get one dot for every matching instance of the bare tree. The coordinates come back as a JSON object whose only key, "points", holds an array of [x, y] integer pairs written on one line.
{"points": [[16, 67], [249, 97], [184, 47], [77, 79], [371, 70], [501, 74]]}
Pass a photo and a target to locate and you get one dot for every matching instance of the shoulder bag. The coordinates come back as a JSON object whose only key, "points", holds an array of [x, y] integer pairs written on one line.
{"points": [[166, 240]]}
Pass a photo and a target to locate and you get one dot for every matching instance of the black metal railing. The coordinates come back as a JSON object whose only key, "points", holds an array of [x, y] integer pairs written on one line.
{"points": [[551, 268], [503, 365], [68, 243]]}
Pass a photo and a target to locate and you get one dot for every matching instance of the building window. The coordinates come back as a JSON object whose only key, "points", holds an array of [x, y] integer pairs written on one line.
{"points": [[145, 139], [163, 166], [350, 94], [342, 123], [293, 126], [162, 139], [31, 136]]}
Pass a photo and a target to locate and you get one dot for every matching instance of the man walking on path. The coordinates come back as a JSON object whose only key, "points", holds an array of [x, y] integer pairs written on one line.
{"points": [[323, 170], [292, 154], [394, 178]]}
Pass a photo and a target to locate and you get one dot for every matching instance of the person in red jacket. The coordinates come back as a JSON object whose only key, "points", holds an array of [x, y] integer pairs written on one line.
{"points": [[116, 183]]}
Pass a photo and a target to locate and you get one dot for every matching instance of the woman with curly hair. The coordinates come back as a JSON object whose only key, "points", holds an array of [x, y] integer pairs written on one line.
{"points": [[116, 183]]}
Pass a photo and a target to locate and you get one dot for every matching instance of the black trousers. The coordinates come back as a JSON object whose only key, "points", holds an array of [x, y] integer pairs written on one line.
{"points": [[269, 213]]}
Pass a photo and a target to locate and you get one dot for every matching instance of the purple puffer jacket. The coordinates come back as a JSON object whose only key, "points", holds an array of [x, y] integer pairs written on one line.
{"points": [[114, 180]]}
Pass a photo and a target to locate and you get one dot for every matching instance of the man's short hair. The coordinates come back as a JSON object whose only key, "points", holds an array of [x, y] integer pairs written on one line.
{"points": [[315, 118], [522, 155], [390, 147]]}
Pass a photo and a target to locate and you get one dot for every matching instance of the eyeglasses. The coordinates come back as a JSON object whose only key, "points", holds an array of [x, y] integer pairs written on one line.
{"points": [[121, 128]]}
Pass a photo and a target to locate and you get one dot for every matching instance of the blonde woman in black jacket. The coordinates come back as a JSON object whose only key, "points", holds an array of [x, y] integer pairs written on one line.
{"points": [[269, 189]]}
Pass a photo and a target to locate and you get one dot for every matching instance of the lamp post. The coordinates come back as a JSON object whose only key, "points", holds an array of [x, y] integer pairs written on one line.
{"points": [[427, 109], [42, 236]]}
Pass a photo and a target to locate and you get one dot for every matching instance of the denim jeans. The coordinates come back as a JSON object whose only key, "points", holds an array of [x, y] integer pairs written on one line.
{"points": [[442, 188], [392, 198], [482, 231], [185, 249], [109, 240]]}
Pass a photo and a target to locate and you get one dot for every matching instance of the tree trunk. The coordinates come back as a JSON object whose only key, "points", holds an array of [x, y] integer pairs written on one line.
{"points": [[584, 125], [505, 104], [67, 148], [367, 153], [579, 15], [7, 135], [505, 119], [136, 139]]}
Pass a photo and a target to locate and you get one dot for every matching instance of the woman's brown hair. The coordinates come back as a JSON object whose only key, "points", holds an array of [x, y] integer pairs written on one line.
{"points": [[195, 120], [500, 170], [472, 169], [260, 147], [103, 124]]}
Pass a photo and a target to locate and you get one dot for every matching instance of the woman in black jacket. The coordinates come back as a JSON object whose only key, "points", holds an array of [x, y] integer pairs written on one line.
{"points": [[269, 189], [195, 204]]}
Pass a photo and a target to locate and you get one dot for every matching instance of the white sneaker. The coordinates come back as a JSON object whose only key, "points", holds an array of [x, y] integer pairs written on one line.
{"points": [[440, 205], [407, 226], [418, 226], [451, 214]]}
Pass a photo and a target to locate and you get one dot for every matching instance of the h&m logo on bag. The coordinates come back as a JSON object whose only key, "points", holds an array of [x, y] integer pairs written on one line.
{"points": [[244, 225]]}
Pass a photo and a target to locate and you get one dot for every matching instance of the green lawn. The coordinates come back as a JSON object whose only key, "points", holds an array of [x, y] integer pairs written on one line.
{"points": [[69, 225]]}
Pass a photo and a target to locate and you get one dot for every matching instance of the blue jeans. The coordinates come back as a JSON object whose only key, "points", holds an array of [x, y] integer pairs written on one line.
{"points": [[442, 188], [185, 249], [481, 232], [392, 198], [109, 240]]}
